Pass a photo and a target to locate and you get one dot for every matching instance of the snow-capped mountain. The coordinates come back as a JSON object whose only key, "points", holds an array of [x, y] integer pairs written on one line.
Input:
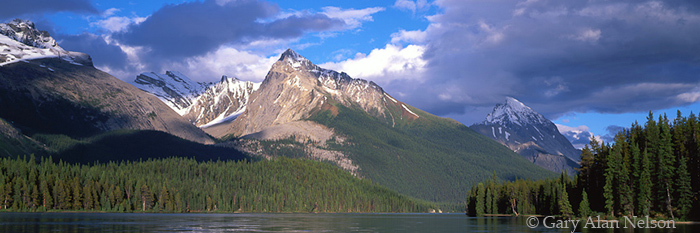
{"points": [[221, 102], [530, 134], [174, 88], [21, 41], [203, 104]]}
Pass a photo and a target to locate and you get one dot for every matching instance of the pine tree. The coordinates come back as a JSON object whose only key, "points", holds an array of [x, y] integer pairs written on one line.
{"points": [[666, 162], [488, 201], [685, 191], [584, 208], [480, 199], [564, 204]]}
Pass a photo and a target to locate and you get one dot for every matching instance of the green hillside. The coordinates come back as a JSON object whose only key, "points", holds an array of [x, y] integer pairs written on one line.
{"points": [[428, 157]]}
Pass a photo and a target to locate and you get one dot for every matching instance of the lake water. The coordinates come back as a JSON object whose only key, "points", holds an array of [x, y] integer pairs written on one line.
{"points": [[135, 222]]}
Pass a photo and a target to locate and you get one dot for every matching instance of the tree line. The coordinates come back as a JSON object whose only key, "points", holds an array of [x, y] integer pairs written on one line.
{"points": [[649, 170], [186, 185]]}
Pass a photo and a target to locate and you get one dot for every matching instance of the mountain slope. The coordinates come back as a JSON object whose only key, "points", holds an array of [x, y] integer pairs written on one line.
{"points": [[64, 95], [302, 110], [530, 134], [203, 104]]}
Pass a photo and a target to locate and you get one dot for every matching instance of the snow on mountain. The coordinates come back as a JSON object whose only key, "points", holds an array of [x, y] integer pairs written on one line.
{"points": [[203, 104], [221, 102], [530, 134], [514, 112], [173, 88], [20, 41]]}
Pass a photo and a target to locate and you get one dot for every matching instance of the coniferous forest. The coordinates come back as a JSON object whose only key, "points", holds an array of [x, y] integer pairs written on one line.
{"points": [[649, 170], [186, 185]]}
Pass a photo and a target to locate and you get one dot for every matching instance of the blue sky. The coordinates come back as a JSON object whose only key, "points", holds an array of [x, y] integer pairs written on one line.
{"points": [[586, 64]]}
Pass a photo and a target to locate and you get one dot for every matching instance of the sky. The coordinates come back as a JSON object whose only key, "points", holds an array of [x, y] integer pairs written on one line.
{"points": [[588, 65]]}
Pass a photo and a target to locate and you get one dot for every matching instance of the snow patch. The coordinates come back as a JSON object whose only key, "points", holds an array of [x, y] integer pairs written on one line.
{"points": [[392, 99], [222, 118], [409, 111]]}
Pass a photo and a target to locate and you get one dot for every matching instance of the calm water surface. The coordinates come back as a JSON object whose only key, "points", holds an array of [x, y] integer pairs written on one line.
{"points": [[107, 222]]}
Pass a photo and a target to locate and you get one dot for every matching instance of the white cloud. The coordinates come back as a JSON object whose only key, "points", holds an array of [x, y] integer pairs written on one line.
{"points": [[228, 61], [353, 17], [689, 97], [118, 23], [412, 6], [384, 65], [579, 136], [588, 34], [416, 36]]}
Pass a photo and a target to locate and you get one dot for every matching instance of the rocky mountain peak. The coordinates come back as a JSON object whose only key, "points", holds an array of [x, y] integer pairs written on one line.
{"points": [[25, 32], [20, 40], [514, 112], [530, 134]]}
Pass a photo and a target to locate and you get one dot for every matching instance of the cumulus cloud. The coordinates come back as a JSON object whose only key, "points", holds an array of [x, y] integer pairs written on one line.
{"points": [[228, 61], [34, 7], [383, 65], [558, 56], [353, 18]]}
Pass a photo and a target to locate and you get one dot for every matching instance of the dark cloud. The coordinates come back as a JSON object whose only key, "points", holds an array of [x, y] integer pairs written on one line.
{"points": [[102, 53], [22, 8], [561, 56], [195, 28]]}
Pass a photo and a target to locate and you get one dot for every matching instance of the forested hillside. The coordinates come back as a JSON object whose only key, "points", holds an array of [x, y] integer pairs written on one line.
{"points": [[650, 170], [185, 185]]}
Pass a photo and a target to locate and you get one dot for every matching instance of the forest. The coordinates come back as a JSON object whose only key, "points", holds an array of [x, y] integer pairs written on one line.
{"points": [[186, 185], [649, 170]]}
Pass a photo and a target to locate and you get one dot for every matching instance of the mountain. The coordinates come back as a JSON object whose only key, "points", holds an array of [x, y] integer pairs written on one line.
{"points": [[20, 41], [203, 104], [301, 110], [47, 90], [531, 135]]}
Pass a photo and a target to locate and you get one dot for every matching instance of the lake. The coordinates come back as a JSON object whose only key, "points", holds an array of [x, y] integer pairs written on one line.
{"points": [[136, 222]]}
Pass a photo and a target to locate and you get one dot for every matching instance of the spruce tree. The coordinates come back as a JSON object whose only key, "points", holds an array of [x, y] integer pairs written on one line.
{"points": [[480, 199], [584, 208], [489, 201], [685, 191], [564, 204], [666, 162]]}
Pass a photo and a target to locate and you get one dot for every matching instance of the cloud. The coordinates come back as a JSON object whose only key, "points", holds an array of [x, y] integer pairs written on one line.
{"points": [[21, 8], [579, 136], [353, 18], [228, 61], [103, 53], [118, 23], [412, 6], [383, 65], [196, 28], [557, 56]]}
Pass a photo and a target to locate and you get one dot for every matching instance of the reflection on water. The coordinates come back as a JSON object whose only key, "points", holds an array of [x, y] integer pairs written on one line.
{"points": [[107, 222]]}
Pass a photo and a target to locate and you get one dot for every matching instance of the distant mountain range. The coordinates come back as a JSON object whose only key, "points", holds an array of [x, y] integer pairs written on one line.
{"points": [[60, 105], [531, 135]]}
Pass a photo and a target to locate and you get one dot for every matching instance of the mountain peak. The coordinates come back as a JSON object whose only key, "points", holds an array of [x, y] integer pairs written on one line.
{"points": [[514, 112], [290, 54], [20, 40]]}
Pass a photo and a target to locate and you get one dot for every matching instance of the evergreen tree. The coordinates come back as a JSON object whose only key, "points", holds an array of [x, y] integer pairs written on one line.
{"points": [[685, 191], [584, 208], [666, 162], [480, 200], [564, 204], [489, 201]]}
